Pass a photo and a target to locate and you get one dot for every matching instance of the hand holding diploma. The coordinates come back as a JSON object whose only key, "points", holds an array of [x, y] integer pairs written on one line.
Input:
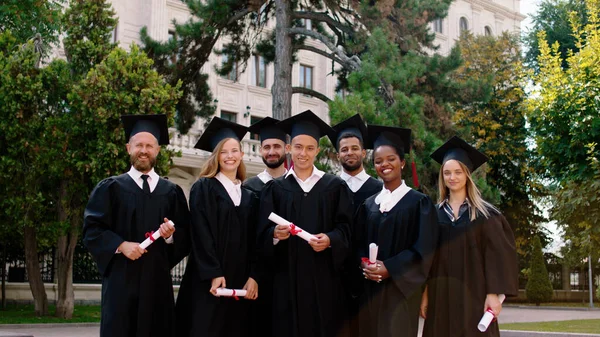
{"points": [[251, 288], [235, 293], [166, 230], [217, 282], [374, 269], [493, 306], [320, 242], [280, 229]]}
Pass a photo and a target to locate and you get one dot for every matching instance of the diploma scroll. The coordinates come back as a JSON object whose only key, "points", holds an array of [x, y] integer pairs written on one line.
{"points": [[373, 250], [294, 230], [231, 292], [488, 317], [151, 237]]}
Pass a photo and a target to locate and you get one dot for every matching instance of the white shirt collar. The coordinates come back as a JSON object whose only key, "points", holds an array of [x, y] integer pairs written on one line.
{"points": [[309, 182], [234, 190], [355, 182], [265, 177], [387, 200], [137, 177]]}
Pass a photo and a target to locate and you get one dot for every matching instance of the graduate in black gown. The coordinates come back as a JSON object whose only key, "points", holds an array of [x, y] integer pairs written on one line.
{"points": [[137, 290], [349, 142], [223, 236], [308, 298], [476, 260], [273, 150], [403, 223]]}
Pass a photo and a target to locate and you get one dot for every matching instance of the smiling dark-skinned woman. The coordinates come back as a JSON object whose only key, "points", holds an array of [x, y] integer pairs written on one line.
{"points": [[403, 223]]}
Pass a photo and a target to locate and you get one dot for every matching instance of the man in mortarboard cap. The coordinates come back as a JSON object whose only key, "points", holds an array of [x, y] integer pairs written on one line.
{"points": [[122, 211], [273, 150], [308, 290], [348, 140]]}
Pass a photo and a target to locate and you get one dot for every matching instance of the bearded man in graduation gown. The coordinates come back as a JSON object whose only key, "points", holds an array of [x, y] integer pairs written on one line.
{"points": [[137, 291], [273, 149], [308, 298], [349, 142]]}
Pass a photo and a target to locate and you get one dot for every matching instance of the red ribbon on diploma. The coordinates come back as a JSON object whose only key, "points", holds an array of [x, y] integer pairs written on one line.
{"points": [[149, 235], [367, 261], [236, 298], [294, 230]]}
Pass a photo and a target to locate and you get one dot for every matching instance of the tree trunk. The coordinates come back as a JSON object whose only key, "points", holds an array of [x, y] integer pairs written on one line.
{"points": [[282, 86], [64, 255], [4, 276], [34, 274]]}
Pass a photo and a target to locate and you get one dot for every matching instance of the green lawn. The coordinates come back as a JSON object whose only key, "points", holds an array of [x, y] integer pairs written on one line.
{"points": [[24, 314], [578, 326], [556, 304]]}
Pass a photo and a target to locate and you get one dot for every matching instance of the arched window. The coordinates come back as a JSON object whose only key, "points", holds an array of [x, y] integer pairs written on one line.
{"points": [[463, 25], [488, 31]]}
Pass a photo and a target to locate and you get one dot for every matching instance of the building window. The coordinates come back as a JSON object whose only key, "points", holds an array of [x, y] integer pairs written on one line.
{"points": [[306, 77], [115, 38], [259, 71], [488, 31], [463, 25], [254, 119], [229, 116], [233, 74], [438, 26], [306, 23]]}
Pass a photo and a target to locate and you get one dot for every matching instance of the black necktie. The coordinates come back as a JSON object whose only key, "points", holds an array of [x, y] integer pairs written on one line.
{"points": [[145, 186]]}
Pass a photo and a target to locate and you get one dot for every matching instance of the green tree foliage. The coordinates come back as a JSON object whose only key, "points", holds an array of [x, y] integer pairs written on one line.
{"points": [[26, 18], [553, 18], [539, 288], [24, 160], [494, 121], [564, 119]]}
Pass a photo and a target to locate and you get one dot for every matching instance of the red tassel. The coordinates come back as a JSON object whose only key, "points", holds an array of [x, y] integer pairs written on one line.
{"points": [[414, 174]]}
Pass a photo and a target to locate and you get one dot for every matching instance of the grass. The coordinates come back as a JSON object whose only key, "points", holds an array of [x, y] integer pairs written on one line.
{"points": [[24, 314], [576, 326], [556, 304]]}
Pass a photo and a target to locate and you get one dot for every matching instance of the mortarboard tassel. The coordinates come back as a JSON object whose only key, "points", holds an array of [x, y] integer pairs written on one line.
{"points": [[415, 177]]}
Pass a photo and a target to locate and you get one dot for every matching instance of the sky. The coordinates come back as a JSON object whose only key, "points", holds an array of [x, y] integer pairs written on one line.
{"points": [[528, 7]]}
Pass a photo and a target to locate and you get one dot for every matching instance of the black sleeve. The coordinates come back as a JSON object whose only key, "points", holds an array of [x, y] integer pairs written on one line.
{"points": [[98, 227], [500, 257], [410, 268]]}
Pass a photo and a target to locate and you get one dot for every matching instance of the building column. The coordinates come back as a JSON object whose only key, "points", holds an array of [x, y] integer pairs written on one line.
{"points": [[158, 25]]}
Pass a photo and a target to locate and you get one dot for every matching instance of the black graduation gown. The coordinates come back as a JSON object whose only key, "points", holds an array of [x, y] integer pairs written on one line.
{"points": [[407, 237], [308, 299], [261, 310], [223, 240], [474, 258], [137, 296], [370, 187], [254, 184]]}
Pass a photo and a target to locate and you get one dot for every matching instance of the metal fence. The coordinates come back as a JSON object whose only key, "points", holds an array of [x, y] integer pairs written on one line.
{"points": [[84, 268]]}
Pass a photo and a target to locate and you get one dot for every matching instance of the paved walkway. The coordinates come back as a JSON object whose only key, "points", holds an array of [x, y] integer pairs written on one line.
{"points": [[508, 315]]}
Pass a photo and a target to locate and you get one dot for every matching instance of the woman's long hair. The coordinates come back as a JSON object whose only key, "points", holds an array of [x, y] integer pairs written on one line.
{"points": [[211, 168], [473, 193]]}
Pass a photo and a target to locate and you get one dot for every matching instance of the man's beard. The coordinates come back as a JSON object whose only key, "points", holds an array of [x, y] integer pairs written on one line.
{"points": [[351, 168], [274, 165], [141, 166]]}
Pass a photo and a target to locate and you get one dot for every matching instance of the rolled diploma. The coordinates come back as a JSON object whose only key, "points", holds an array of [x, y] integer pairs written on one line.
{"points": [[281, 221], [373, 249], [231, 292], [488, 317], [155, 236]]}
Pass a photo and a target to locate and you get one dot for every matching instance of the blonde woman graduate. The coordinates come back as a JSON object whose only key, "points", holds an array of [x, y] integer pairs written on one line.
{"points": [[476, 260], [223, 235], [403, 224]]}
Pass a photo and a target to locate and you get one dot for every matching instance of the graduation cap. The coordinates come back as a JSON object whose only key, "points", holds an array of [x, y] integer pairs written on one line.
{"points": [[305, 123], [457, 149], [153, 124], [266, 129], [379, 135], [353, 126], [217, 130]]}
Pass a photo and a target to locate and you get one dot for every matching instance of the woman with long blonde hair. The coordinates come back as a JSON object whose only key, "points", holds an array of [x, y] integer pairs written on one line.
{"points": [[223, 235], [476, 262]]}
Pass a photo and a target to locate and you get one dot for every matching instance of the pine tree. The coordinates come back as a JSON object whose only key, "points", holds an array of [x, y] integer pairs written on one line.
{"points": [[539, 288]]}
